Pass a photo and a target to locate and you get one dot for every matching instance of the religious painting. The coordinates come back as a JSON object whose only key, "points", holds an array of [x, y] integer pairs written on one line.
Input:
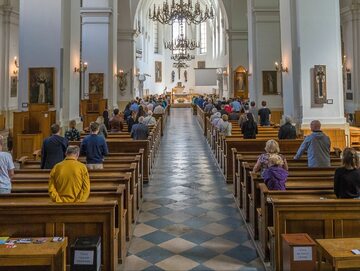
{"points": [[240, 82], [41, 85], [320, 95], [348, 80], [13, 86], [270, 85], [96, 83], [158, 71]]}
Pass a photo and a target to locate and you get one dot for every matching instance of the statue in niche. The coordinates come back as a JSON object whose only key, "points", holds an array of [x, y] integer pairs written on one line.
{"points": [[185, 76], [320, 93], [42, 81], [142, 79], [172, 76]]}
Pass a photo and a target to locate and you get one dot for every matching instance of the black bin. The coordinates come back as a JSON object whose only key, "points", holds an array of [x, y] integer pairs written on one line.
{"points": [[85, 254]]}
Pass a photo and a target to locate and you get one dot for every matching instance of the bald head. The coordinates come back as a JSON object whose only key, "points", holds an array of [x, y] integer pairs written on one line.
{"points": [[315, 125]]}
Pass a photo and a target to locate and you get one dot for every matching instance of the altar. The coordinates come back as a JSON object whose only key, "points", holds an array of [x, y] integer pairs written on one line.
{"points": [[180, 97]]}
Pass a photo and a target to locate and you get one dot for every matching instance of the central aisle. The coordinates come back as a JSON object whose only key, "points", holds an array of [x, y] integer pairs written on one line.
{"points": [[189, 220]]}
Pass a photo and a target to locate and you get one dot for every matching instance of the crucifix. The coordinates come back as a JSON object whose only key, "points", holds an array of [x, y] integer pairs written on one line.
{"points": [[180, 65]]}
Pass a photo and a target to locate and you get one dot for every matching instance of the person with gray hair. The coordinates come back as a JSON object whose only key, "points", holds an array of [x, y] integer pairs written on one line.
{"points": [[287, 130], [69, 180], [317, 145], [6, 169], [149, 119], [140, 131]]}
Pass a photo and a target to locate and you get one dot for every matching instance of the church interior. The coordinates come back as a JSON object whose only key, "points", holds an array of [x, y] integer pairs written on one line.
{"points": [[203, 91]]}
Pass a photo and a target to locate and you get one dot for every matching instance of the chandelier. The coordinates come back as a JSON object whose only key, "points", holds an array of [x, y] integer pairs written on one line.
{"points": [[168, 14], [182, 56], [181, 43], [180, 65]]}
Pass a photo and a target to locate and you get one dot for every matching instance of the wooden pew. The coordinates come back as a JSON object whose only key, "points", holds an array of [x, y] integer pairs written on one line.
{"points": [[116, 194], [265, 215], [48, 219], [257, 145], [320, 218], [37, 181]]}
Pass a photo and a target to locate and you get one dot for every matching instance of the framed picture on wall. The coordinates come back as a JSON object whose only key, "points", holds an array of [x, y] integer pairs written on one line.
{"points": [[158, 71], [348, 80], [96, 83], [320, 81], [270, 84], [41, 85], [349, 96], [13, 86]]}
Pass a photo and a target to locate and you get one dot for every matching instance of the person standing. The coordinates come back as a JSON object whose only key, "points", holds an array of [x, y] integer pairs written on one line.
{"points": [[347, 177], [264, 115], [53, 148], [94, 147], [287, 130], [140, 131], [317, 145], [6, 169], [69, 180], [116, 122], [72, 134], [253, 110], [249, 127], [236, 105]]}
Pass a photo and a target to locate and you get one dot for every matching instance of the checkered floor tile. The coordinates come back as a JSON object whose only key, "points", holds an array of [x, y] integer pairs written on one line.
{"points": [[188, 219]]}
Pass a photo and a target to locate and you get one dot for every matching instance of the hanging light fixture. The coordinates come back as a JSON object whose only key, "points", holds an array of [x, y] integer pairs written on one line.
{"points": [[192, 14], [182, 57], [181, 43]]}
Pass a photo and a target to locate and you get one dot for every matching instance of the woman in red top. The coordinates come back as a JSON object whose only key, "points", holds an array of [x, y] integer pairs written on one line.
{"points": [[228, 108]]}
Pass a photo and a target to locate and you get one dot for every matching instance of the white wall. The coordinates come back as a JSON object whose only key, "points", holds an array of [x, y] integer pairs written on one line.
{"points": [[40, 42]]}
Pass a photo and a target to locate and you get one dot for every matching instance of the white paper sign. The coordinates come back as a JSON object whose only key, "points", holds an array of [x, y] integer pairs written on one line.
{"points": [[302, 253], [84, 257]]}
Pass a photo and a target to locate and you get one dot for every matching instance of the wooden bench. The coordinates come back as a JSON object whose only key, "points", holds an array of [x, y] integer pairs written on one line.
{"points": [[92, 218], [326, 218]]}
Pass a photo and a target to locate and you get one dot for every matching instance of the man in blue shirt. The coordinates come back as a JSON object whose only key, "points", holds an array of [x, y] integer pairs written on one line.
{"points": [[236, 105], [94, 147], [140, 131], [134, 106], [317, 146]]}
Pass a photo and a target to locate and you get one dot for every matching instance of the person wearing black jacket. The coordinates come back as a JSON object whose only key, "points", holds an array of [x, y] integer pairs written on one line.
{"points": [[53, 148], [347, 178], [287, 130], [249, 127]]}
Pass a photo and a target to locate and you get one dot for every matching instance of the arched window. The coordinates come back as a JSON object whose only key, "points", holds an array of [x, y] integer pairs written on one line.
{"points": [[203, 38]]}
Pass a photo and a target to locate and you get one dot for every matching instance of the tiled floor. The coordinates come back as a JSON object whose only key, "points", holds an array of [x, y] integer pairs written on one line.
{"points": [[189, 220]]}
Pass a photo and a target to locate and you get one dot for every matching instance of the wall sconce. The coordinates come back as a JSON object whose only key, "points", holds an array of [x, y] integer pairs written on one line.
{"points": [[16, 63], [121, 75], [280, 67], [83, 67]]}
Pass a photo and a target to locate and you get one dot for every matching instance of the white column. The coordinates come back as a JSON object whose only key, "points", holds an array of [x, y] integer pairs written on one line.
{"points": [[264, 48], [71, 59], [350, 23], [308, 41], [9, 27]]}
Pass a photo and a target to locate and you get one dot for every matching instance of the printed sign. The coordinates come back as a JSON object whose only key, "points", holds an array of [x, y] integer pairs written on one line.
{"points": [[302, 254], [84, 257]]}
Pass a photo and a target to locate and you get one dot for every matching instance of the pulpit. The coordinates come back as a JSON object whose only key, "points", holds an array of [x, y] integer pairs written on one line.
{"points": [[31, 127], [92, 108]]}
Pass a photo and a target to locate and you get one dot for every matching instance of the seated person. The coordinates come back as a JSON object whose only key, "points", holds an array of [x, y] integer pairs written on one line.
{"points": [[140, 131], [275, 175], [69, 179], [72, 134], [225, 126], [347, 177], [159, 109], [6, 169], [234, 115], [94, 147], [149, 120], [271, 148], [116, 122], [249, 127], [102, 128]]}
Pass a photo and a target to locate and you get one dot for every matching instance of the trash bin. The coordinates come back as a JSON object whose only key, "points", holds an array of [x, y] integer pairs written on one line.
{"points": [[86, 254], [299, 252]]}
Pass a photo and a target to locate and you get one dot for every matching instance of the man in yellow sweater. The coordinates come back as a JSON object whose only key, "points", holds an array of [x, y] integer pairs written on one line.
{"points": [[69, 179]]}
